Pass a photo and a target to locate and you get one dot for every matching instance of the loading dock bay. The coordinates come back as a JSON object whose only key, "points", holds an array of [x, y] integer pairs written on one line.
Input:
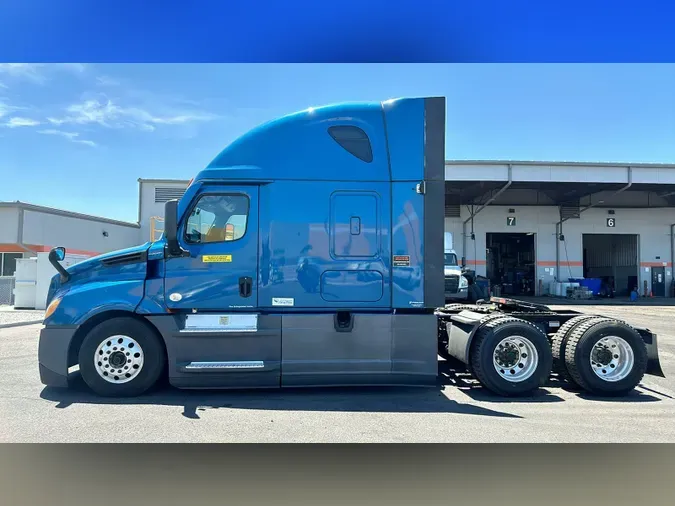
{"points": [[610, 221]]}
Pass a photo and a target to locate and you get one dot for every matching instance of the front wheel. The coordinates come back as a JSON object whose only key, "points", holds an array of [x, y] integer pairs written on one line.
{"points": [[121, 357]]}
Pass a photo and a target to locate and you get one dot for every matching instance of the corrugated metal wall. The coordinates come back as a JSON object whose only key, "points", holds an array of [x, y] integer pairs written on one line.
{"points": [[609, 250]]}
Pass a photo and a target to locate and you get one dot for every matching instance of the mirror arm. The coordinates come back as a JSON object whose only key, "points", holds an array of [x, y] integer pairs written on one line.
{"points": [[53, 258]]}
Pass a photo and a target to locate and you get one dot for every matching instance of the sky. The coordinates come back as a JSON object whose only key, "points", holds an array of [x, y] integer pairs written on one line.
{"points": [[78, 136]]}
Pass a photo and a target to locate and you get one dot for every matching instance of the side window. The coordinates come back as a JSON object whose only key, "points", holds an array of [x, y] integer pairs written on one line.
{"points": [[217, 218], [354, 140]]}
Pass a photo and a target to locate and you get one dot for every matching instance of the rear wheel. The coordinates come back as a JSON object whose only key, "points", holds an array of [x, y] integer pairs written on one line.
{"points": [[606, 357], [510, 356], [559, 342], [121, 357]]}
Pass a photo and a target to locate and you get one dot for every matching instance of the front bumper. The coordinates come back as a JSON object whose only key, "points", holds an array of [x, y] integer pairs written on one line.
{"points": [[53, 356]]}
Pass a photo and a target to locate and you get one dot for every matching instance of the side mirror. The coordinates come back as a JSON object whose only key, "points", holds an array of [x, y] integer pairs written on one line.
{"points": [[171, 226], [57, 255], [171, 229]]}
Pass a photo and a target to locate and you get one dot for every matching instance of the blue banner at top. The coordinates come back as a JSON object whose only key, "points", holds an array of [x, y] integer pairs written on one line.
{"points": [[344, 31]]}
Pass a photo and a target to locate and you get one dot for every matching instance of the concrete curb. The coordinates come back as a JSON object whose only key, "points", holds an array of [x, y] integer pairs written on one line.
{"points": [[19, 324]]}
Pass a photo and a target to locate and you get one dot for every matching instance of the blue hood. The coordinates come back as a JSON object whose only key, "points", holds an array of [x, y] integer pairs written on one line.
{"points": [[124, 264], [127, 256]]}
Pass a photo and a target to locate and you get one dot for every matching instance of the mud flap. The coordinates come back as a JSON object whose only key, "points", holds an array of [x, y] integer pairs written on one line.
{"points": [[653, 363]]}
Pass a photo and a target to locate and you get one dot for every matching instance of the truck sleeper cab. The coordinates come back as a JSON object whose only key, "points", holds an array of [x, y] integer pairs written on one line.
{"points": [[308, 252]]}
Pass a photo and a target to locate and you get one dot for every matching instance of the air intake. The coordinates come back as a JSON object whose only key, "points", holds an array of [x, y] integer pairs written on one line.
{"points": [[128, 258]]}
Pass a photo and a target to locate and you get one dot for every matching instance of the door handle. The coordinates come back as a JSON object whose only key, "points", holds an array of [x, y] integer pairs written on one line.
{"points": [[245, 286]]}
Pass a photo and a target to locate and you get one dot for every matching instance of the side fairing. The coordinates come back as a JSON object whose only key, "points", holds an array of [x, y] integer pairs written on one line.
{"points": [[407, 246], [416, 139]]}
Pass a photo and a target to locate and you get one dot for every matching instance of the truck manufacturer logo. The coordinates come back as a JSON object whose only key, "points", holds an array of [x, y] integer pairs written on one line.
{"points": [[216, 258], [401, 261], [281, 301], [175, 297]]}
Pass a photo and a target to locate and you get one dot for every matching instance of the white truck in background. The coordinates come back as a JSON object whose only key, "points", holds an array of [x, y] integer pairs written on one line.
{"points": [[456, 285]]}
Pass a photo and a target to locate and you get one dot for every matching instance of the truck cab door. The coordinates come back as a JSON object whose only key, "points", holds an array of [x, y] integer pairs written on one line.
{"points": [[220, 233], [225, 343]]}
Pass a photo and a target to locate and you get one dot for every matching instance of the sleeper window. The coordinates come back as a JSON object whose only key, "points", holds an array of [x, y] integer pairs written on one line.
{"points": [[354, 140], [217, 218]]}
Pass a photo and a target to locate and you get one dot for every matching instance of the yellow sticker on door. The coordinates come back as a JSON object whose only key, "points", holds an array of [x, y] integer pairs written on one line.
{"points": [[216, 258]]}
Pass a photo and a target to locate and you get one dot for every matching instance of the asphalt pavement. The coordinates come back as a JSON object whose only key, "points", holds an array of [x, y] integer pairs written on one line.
{"points": [[458, 410], [10, 317]]}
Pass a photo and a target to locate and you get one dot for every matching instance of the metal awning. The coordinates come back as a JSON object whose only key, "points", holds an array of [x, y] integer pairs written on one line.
{"points": [[474, 182], [552, 193]]}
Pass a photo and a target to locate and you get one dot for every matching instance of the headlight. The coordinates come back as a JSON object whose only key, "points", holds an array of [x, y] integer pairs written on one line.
{"points": [[463, 283], [52, 307]]}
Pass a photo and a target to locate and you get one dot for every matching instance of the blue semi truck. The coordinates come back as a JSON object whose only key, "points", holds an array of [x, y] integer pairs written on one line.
{"points": [[310, 252]]}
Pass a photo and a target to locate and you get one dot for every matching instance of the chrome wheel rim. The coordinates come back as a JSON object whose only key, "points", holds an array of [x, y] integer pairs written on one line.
{"points": [[612, 358], [515, 358], [118, 359]]}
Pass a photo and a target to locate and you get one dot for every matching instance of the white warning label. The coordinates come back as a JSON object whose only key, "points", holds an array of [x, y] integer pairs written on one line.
{"points": [[283, 301]]}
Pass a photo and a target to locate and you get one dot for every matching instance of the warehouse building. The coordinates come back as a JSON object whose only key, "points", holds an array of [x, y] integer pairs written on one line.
{"points": [[152, 195], [526, 224], [27, 229]]}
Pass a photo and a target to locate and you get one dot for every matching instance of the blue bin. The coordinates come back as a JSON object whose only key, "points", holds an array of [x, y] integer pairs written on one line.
{"points": [[593, 284], [484, 284]]}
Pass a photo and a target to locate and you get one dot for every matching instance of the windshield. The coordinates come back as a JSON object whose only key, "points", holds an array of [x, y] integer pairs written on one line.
{"points": [[450, 259]]}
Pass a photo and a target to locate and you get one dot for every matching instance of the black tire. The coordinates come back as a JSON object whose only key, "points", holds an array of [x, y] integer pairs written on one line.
{"points": [[459, 307], [484, 344], [559, 342], [154, 357], [491, 317], [578, 352], [464, 307]]}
